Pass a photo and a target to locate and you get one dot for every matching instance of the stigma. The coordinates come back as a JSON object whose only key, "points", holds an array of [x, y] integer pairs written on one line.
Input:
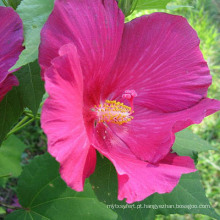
{"points": [[116, 112]]}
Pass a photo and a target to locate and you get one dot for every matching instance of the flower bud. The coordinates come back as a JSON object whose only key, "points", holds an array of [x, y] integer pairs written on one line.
{"points": [[127, 6]]}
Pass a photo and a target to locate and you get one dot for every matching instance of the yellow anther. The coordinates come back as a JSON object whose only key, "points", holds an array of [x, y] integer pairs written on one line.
{"points": [[113, 111]]}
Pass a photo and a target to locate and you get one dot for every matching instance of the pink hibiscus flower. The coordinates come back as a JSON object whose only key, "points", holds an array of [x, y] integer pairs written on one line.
{"points": [[11, 39], [93, 63]]}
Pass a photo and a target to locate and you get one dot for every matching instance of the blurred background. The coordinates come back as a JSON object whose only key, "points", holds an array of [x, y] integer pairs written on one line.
{"points": [[204, 16]]}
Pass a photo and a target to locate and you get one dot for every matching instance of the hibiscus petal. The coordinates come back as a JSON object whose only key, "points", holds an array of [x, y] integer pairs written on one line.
{"points": [[150, 135], [95, 27], [138, 179], [165, 65], [11, 39], [7, 85], [62, 119]]}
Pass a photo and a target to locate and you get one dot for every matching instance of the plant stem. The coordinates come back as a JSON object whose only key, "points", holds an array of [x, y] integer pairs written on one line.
{"points": [[41, 104], [9, 206], [5, 3], [6, 175], [17, 128], [21, 122], [24, 122], [31, 115]]}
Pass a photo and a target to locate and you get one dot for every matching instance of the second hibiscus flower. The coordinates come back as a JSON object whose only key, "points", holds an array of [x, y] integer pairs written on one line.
{"points": [[121, 89], [11, 39]]}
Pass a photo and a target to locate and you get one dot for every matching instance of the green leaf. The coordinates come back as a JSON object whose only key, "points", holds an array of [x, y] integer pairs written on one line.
{"points": [[31, 86], [14, 3], [2, 211], [21, 215], [152, 4], [29, 94], [188, 192], [10, 157], [3, 181], [34, 14], [44, 195], [11, 108], [188, 144]]}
